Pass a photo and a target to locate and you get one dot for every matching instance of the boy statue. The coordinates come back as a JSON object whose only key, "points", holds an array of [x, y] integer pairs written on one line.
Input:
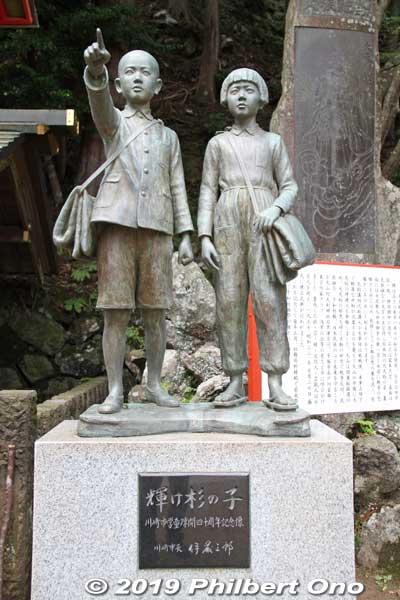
{"points": [[141, 202], [241, 155]]}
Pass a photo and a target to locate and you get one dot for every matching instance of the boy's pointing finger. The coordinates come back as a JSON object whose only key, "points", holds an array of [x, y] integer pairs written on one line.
{"points": [[100, 39]]}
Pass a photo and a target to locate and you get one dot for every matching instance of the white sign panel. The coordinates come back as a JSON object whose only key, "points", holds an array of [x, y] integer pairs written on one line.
{"points": [[344, 335]]}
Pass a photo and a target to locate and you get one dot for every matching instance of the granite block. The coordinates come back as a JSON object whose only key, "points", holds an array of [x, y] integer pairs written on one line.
{"points": [[86, 508]]}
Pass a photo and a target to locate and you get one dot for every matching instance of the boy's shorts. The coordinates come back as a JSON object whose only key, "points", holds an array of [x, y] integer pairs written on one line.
{"points": [[134, 268]]}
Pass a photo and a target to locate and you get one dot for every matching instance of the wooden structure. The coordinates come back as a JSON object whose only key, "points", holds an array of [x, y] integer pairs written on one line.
{"points": [[28, 184]]}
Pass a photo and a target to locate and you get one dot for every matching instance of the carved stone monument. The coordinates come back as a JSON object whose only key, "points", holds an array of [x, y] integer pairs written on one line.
{"points": [[334, 105], [327, 117]]}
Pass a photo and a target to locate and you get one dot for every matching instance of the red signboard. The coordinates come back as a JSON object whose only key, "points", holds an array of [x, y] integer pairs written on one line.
{"points": [[16, 13]]}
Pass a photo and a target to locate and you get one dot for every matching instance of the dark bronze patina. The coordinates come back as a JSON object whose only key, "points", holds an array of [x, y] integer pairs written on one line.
{"points": [[194, 520]]}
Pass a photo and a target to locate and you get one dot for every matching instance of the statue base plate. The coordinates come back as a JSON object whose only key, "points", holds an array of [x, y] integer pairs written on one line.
{"points": [[252, 418]]}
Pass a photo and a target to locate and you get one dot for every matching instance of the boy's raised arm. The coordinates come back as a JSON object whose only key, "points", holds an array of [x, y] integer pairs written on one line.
{"points": [[104, 113]]}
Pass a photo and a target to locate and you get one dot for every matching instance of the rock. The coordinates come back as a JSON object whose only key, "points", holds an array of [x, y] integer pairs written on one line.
{"points": [[389, 427], [36, 367], [173, 375], [377, 469], [12, 348], [57, 386], [181, 341], [380, 539], [135, 360], [82, 362], [193, 308], [136, 394], [83, 329], [344, 423], [40, 332], [54, 309], [135, 373], [10, 379], [205, 362], [207, 390], [129, 380]]}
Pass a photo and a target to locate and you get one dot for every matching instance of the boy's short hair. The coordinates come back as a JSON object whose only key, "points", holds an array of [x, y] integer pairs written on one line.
{"points": [[149, 56], [244, 74]]}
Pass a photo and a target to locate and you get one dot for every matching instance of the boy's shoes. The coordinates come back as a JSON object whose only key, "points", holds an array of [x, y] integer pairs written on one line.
{"points": [[111, 404], [161, 398]]}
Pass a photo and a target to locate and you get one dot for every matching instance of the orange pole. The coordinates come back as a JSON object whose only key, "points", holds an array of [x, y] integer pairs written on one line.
{"points": [[254, 371]]}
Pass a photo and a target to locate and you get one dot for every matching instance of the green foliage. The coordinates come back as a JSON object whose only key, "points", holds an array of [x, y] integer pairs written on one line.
{"points": [[77, 305], [61, 251], [261, 21], [93, 298], [382, 581], [391, 57], [85, 297], [83, 272], [389, 39], [134, 337], [365, 426], [188, 394], [42, 68], [390, 24], [216, 122], [396, 178]]}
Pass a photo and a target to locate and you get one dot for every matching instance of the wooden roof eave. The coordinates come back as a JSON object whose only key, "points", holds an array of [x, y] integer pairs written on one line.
{"points": [[8, 146]]}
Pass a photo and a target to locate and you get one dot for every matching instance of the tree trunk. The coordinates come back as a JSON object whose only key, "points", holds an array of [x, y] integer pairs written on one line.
{"points": [[391, 165], [390, 106], [209, 57]]}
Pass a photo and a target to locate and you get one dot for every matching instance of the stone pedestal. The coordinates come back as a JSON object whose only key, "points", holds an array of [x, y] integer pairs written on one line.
{"points": [[146, 419], [86, 508]]}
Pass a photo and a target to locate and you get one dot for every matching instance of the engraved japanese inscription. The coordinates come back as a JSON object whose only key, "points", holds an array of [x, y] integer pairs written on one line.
{"points": [[193, 520], [362, 9], [334, 137]]}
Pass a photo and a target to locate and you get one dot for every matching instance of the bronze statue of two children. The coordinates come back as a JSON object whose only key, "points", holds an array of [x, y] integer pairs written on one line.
{"points": [[247, 185]]}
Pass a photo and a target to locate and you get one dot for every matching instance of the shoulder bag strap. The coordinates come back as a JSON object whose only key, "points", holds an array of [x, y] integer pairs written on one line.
{"points": [[115, 155], [244, 173]]}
